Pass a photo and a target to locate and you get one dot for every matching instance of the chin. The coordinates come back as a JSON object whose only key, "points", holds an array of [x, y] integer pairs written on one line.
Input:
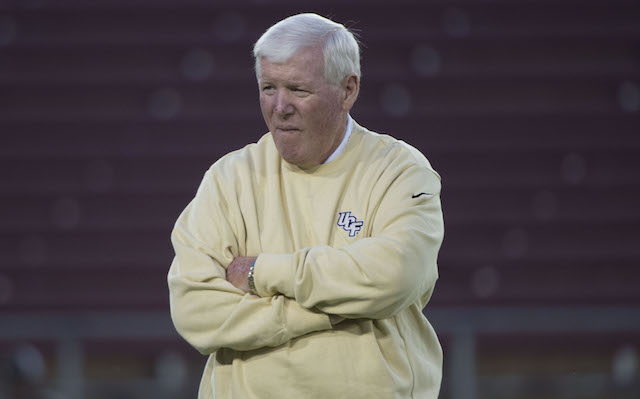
{"points": [[287, 150], [292, 160]]}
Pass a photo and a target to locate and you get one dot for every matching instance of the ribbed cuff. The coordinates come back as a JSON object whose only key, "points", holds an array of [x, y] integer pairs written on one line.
{"points": [[274, 274]]}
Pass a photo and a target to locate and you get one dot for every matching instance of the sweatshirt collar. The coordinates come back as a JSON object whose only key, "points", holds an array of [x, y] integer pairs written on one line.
{"points": [[345, 140]]}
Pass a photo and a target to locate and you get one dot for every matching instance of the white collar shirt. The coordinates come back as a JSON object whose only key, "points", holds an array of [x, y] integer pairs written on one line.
{"points": [[344, 142]]}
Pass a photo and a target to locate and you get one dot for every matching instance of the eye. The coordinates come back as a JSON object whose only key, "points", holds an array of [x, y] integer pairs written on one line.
{"points": [[299, 91], [268, 89]]}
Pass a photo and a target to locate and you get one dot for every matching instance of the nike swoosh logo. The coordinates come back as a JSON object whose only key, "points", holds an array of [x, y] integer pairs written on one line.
{"points": [[417, 195]]}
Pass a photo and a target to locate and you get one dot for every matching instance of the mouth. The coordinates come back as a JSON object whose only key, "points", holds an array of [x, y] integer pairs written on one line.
{"points": [[287, 129]]}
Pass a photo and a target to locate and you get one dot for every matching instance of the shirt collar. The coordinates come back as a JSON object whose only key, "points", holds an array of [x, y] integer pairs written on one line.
{"points": [[344, 142]]}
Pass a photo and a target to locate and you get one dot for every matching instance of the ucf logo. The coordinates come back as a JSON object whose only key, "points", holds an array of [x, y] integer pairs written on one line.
{"points": [[349, 223]]}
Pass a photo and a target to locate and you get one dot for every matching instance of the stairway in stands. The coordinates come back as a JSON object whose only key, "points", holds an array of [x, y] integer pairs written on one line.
{"points": [[111, 111]]}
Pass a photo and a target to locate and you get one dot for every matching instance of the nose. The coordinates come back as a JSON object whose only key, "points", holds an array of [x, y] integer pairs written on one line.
{"points": [[283, 104]]}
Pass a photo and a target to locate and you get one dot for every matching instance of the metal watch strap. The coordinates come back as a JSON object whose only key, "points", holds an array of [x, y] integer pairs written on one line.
{"points": [[252, 284]]}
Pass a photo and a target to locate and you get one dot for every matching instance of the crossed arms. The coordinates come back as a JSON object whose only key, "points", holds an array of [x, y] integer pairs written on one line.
{"points": [[305, 291]]}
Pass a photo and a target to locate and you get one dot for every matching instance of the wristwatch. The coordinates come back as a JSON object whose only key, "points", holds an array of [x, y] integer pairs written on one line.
{"points": [[252, 284]]}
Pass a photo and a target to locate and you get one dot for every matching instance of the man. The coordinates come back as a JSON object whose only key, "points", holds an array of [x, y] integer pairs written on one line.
{"points": [[304, 261]]}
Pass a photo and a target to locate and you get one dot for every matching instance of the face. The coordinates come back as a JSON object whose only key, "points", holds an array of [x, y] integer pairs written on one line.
{"points": [[306, 115]]}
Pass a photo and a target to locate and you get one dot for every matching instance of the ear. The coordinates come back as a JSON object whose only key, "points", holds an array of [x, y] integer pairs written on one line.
{"points": [[351, 87]]}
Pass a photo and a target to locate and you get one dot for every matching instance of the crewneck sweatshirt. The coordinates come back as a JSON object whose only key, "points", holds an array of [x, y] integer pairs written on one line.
{"points": [[356, 238]]}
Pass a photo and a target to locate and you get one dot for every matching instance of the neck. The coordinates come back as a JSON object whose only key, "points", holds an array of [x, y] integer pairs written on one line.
{"points": [[340, 131]]}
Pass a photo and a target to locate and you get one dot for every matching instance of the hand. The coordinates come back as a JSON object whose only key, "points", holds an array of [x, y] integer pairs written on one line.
{"points": [[238, 271]]}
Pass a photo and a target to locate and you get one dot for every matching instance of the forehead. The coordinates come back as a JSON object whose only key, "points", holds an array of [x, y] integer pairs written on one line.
{"points": [[305, 65]]}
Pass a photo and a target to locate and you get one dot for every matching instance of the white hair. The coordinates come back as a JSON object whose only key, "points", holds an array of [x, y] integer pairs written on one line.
{"points": [[340, 48]]}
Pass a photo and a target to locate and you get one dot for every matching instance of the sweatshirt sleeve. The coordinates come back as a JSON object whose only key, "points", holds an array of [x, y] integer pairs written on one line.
{"points": [[208, 311], [374, 277]]}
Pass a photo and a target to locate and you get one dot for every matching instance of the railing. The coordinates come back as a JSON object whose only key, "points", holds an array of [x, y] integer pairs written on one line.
{"points": [[461, 326]]}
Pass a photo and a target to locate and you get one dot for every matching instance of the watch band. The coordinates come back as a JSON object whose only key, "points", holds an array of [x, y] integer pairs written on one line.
{"points": [[250, 280]]}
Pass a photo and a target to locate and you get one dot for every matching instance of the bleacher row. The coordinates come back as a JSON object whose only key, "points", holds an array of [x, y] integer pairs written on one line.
{"points": [[111, 111]]}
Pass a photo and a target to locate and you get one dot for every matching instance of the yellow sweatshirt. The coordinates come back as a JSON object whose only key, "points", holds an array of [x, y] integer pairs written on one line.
{"points": [[357, 238]]}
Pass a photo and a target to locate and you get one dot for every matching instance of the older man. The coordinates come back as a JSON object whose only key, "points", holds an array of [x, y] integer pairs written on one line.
{"points": [[304, 261]]}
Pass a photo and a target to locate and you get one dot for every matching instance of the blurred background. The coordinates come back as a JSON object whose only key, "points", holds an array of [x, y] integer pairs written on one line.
{"points": [[111, 111]]}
